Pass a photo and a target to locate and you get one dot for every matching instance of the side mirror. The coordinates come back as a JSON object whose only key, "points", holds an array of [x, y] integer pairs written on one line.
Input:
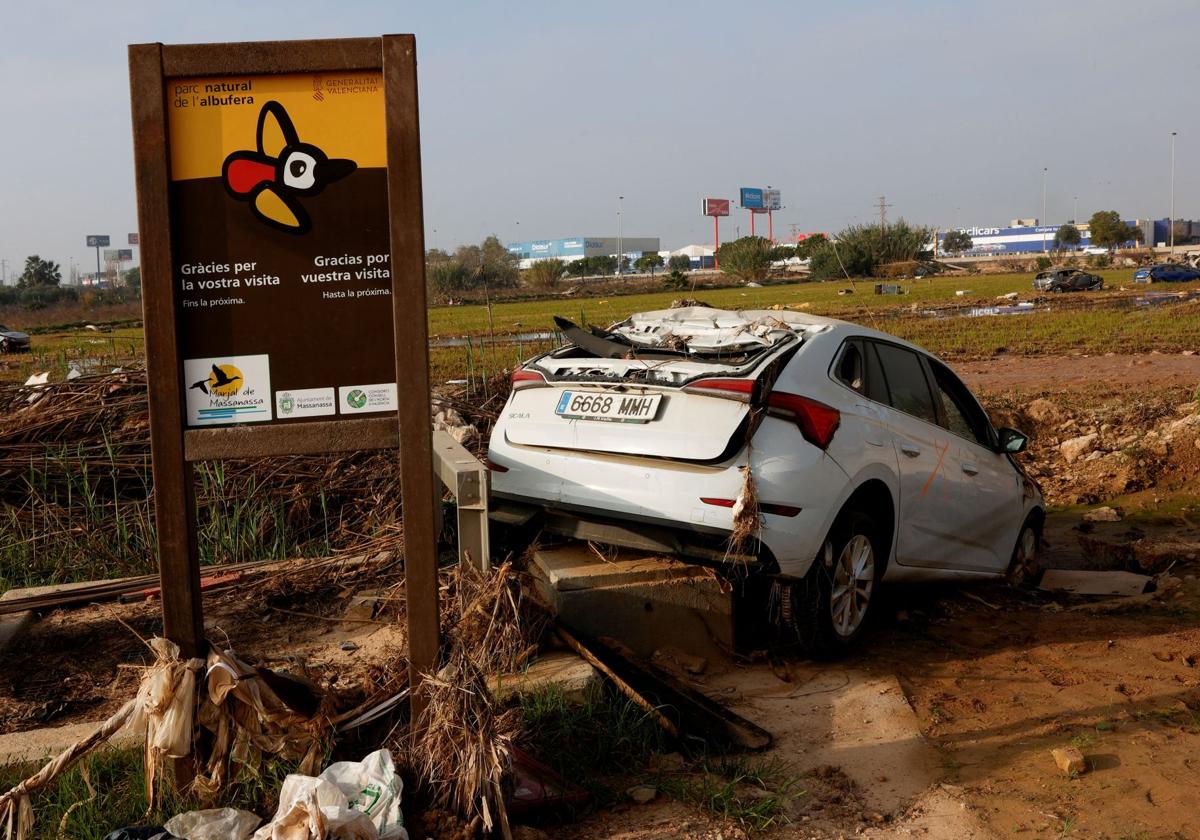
{"points": [[1012, 441]]}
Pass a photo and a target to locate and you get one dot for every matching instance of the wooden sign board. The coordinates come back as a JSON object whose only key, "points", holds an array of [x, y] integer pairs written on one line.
{"points": [[283, 279]]}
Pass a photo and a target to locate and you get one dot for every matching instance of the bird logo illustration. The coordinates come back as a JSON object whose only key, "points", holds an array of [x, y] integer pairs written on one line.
{"points": [[281, 170], [224, 381]]}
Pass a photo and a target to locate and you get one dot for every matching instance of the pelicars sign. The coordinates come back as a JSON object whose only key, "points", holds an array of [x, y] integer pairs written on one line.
{"points": [[280, 243]]}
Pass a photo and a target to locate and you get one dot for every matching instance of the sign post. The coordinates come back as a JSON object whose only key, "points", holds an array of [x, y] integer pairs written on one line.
{"points": [[283, 281], [97, 241], [716, 207]]}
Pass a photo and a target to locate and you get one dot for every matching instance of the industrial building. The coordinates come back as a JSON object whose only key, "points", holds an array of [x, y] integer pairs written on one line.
{"points": [[1025, 236], [578, 247]]}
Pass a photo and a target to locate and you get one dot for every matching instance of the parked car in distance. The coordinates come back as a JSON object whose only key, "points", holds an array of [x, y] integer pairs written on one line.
{"points": [[1166, 273], [1067, 280], [12, 341], [867, 457]]}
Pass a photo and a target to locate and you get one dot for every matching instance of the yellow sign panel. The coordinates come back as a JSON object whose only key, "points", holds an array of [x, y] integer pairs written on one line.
{"points": [[210, 118]]}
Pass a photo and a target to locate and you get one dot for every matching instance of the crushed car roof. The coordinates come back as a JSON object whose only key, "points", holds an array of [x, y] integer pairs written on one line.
{"points": [[701, 328]]}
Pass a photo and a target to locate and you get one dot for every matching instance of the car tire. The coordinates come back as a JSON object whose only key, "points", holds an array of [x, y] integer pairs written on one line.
{"points": [[832, 604], [1025, 568], [3, 345]]}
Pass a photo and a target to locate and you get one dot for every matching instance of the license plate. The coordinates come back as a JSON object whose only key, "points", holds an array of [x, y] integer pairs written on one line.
{"points": [[610, 408]]}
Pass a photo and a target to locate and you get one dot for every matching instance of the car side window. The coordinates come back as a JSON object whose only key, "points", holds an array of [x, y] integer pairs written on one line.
{"points": [[877, 386], [964, 417], [907, 385], [851, 369]]}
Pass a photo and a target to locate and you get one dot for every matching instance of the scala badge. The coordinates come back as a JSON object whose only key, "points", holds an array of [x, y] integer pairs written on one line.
{"points": [[281, 170]]}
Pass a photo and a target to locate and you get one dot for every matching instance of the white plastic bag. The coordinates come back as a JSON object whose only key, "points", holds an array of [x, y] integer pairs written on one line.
{"points": [[372, 787], [213, 824], [315, 809]]}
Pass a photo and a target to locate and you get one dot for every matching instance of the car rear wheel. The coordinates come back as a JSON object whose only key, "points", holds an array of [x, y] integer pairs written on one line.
{"points": [[3, 345], [832, 605], [1025, 568]]}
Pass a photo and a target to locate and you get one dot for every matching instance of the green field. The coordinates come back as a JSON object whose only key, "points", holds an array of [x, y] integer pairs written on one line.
{"points": [[1085, 322]]}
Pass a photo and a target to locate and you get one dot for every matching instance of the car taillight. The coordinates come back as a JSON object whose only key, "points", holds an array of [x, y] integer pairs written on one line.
{"points": [[763, 507], [522, 378], [735, 389], [494, 467], [816, 421]]}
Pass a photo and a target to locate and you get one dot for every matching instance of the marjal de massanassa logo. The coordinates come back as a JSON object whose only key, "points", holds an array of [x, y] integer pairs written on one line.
{"points": [[281, 170], [223, 381]]}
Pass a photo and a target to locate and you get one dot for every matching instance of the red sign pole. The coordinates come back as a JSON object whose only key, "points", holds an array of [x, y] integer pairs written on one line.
{"points": [[770, 228], [716, 240], [752, 223]]}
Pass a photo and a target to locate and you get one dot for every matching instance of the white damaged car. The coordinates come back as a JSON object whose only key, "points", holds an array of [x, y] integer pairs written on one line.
{"points": [[868, 459]]}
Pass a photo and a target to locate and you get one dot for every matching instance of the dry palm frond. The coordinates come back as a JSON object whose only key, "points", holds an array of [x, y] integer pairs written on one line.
{"points": [[463, 746], [747, 521]]}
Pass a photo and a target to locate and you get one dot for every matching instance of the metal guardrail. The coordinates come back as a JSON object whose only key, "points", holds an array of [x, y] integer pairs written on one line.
{"points": [[467, 478]]}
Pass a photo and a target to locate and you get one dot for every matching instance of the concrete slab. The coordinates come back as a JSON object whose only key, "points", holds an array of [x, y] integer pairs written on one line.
{"points": [[1094, 583], [576, 566], [38, 745], [645, 602], [563, 670]]}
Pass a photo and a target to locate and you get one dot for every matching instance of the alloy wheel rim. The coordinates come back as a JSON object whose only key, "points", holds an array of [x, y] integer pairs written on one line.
{"points": [[1027, 550], [853, 582]]}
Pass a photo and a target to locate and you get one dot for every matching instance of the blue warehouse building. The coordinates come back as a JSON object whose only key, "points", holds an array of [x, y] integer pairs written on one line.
{"points": [[574, 248], [1028, 239]]}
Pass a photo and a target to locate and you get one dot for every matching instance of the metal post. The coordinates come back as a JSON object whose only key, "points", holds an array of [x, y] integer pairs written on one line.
{"points": [[620, 251], [1044, 170], [770, 227], [1171, 221], [97, 262], [752, 223], [716, 240]]}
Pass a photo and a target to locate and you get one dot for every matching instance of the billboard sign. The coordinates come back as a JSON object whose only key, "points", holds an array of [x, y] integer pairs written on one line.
{"points": [[133, 239], [752, 198], [110, 255], [280, 233], [716, 207], [97, 241], [124, 255], [772, 200]]}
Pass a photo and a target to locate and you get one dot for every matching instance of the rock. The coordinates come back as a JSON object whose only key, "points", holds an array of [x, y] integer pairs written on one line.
{"points": [[1044, 412], [674, 660], [1069, 760], [1104, 514], [1073, 448], [641, 794]]}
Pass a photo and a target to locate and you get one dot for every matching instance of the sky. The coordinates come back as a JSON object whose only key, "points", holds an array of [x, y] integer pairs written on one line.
{"points": [[535, 116]]}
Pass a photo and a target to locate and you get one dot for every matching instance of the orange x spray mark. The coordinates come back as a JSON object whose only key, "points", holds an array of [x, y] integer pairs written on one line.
{"points": [[936, 467]]}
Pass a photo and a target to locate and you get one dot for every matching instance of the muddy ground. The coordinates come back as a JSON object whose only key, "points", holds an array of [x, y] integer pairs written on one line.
{"points": [[942, 726]]}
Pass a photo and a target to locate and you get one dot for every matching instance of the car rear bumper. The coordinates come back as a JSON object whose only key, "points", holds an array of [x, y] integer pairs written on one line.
{"points": [[802, 480]]}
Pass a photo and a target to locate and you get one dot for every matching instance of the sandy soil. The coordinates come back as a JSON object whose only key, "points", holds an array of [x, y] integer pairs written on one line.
{"points": [[1059, 374]]}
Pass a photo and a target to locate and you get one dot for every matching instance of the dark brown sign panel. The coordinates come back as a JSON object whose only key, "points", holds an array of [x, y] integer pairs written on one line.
{"points": [[279, 208], [281, 247]]}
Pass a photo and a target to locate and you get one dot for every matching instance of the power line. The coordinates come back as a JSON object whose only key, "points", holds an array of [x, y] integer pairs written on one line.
{"points": [[883, 206]]}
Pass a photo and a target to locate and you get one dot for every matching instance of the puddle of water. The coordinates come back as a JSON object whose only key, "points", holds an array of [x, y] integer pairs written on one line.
{"points": [[1023, 308], [510, 338]]}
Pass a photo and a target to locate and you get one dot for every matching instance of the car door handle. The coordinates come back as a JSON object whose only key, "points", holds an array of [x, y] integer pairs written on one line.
{"points": [[970, 469], [910, 450]]}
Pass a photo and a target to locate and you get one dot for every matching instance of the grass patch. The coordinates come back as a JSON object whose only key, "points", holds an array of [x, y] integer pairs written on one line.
{"points": [[80, 523], [590, 742], [120, 800], [754, 792]]}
